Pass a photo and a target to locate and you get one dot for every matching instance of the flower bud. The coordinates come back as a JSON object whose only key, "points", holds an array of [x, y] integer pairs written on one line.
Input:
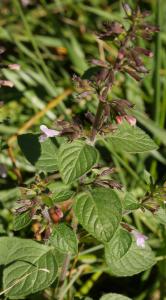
{"points": [[99, 62], [56, 214], [143, 51], [14, 67], [6, 83], [2, 50], [3, 171], [140, 238], [132, 74], [131, 120], [121, 54], [127, 9], [119, 119]]}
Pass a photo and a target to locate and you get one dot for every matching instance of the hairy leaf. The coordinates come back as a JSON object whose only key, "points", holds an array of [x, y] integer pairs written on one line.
{"points": [[161, 215], [99, 212], [75, 159], [130, 203], [31, 267], [120, 243], [130, 139], [61, 195], [133, 262], [22, 220], [64, 239]]}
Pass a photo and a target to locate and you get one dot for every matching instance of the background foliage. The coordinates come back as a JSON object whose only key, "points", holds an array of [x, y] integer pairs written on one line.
{"points": [[52, 40]]}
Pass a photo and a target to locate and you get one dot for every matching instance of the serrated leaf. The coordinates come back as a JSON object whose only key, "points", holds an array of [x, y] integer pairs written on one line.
{"points": [[22, 220], [113, 296], [136, 260], [31, 267], [130, 139], [75, 159], [42, 155], [99, 211], [130, 203], [61, 195], [120, 243], [161, 215], [64, 239]]}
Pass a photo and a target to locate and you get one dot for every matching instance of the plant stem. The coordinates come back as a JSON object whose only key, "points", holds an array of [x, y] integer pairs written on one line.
{"points": [[65, 290], [60, 285], [116, 67], [97, 120]]}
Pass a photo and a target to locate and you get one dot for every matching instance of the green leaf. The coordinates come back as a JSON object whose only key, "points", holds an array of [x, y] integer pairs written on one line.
{"points": [[120, 243], [130, 203], [130, 139], [22, 220], [61, 195], [31, 267], [113, 296], [91, 72], [99, 211], [64, 239], [42, 155], [76, 159], [133, 262], [161, 215], [59, 191]]}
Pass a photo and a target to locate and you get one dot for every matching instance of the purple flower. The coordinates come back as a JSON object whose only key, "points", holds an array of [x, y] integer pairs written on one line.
{"points": [[47, 133], [140, 238]]}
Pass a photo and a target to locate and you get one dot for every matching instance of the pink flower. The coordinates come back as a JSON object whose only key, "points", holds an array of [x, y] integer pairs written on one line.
{"points": [[140, 238], [47, 133], [25, 2], [59, 212], [119, 119], [6, 83], [130, 119], [14, 67]]}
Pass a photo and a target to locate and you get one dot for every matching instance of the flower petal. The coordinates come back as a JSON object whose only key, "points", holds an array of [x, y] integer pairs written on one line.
{"points": [[49, 132], [42, 138]]}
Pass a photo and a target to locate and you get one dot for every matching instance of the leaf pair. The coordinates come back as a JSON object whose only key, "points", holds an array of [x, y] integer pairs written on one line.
{"points": [[29, 266], [75, 159], [72, 159]]}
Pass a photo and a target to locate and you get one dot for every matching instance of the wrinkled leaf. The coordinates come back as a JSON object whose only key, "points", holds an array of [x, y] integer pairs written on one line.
{"points": [[22, 220], [130, 139], [75, 159], [64, 239], [61, 195], [130, 202], [133, 262], [31, 267], [99, 212], [120, 243]]}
